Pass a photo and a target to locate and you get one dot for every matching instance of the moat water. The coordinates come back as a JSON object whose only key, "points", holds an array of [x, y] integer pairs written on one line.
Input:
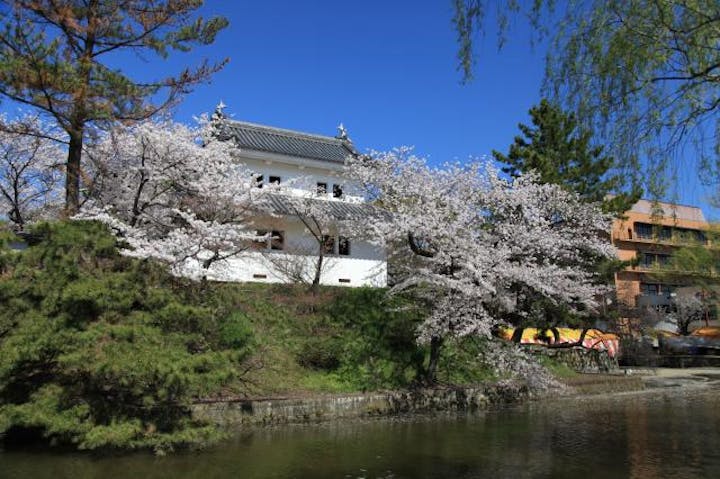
{"points": [[658, 434]]}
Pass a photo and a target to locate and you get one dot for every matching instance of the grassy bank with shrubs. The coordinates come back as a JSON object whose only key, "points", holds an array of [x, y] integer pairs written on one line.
{"points": [[101, 351]]}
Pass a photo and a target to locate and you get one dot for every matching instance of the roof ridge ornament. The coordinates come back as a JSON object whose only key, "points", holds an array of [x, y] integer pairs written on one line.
{"points": [[342, 133], [219, 113]]}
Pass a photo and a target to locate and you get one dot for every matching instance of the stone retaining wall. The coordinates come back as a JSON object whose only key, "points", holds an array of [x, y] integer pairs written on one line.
{"points": [[580, 359], [317, 409]]}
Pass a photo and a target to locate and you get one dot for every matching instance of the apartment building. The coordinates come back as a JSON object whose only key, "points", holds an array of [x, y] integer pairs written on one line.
{"points": [[649, 235]]}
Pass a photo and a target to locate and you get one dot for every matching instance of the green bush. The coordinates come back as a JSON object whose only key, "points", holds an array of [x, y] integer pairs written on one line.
{"points": [[377, 338], [101, 351], [459, 362], [321, 353], [236, 331]]}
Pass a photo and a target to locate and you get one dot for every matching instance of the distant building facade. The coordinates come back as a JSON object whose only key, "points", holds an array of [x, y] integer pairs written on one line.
{"points": [[311, 166], [648, 235]]}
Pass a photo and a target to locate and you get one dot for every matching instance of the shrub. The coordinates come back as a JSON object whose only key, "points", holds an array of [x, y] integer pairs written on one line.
{"points": [[97, 351], [320, 353], [236, 331]]}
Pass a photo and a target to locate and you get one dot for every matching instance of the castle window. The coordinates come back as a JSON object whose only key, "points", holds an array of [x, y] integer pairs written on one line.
{"points": [[260, 243], [343, 246], [649, 289], [666, 233], [655, 289], [274, 180], [277, 241], [328, 244], [644, 230], [321, 188], [648, 260], [651, 260], [337, 191]]}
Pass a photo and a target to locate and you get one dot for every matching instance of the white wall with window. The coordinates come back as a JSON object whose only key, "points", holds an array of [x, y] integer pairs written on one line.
{"points": [[347, 261], [324, 180]]}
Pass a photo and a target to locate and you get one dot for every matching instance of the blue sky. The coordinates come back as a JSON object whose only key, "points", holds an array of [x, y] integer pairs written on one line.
{"points": [[386, 69]]}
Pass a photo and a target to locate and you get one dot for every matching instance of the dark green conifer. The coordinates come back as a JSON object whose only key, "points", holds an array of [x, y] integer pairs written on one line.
{"points": [[559, 151]]}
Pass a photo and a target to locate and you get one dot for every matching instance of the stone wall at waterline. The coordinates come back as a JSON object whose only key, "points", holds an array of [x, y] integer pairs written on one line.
{"points": [[323, 408]]}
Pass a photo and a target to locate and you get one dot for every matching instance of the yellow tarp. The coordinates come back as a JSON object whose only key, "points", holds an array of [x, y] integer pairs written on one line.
{"points": [[594, 338]]}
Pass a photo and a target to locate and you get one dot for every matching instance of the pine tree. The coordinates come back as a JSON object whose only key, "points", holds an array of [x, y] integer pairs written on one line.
{"points": [[560, 152], [55, 57]]}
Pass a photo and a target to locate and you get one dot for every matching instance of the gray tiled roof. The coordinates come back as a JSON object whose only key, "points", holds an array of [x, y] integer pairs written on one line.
{"points": [[339, 210], [287, 142]]}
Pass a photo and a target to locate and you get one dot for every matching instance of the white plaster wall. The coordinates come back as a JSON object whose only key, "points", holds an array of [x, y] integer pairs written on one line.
{"points": [[365, 266], [304, 175], [246, 267]]}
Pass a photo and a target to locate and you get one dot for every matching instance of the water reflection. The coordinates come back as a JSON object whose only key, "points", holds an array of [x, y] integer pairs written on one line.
{"points": [[640, 436]]}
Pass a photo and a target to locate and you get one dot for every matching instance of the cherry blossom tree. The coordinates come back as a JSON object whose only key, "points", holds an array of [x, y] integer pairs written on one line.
{"points": [[328, 232], [30, 179], [307, 259], [687, 307], [472, 243], [175, 193]]}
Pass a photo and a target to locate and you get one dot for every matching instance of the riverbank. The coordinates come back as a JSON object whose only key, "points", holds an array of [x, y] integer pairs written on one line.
{"points": [[242, 413], [480, 396], [688, 378], [637, 379], [321, 408]]}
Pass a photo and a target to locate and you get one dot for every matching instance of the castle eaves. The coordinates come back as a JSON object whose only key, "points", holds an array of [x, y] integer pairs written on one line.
{"points": [[269, 139]]}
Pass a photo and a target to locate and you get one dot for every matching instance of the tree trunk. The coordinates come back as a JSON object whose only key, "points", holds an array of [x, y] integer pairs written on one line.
{"points": [[318, 270], [556, 334], [684, 328], [435, 347], [579, 342], [583, 333], [72, 175], [517, 335], [14, 214]]}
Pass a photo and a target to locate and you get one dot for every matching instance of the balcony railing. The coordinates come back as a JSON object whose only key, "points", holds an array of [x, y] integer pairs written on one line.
{"points": [[657, 267], [673, 269], [632, 236], [653, 300]]}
